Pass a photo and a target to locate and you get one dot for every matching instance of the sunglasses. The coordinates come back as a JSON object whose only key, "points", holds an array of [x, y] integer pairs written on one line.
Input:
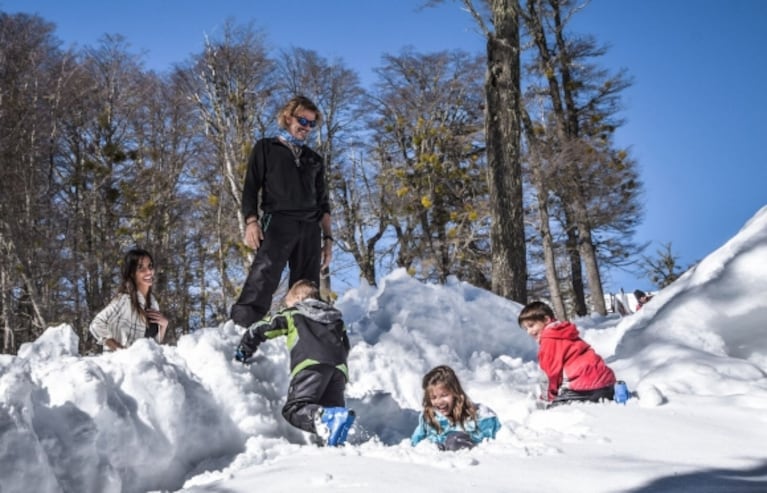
{"points": [[305, 122]]}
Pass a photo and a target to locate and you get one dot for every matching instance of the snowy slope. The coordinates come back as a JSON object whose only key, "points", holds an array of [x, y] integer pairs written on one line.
{"points": [[190, 418]]}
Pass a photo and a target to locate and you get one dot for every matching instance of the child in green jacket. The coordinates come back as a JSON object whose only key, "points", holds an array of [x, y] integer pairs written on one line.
{"points": [[319, 347]]}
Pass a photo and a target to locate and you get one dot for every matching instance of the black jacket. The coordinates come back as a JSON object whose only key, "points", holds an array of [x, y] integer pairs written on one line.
{"points": [[278, 184], [315, 331]]}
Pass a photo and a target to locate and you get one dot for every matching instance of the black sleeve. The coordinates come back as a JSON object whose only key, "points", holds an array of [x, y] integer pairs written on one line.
{"points": [[270, 327], [254, 180]]}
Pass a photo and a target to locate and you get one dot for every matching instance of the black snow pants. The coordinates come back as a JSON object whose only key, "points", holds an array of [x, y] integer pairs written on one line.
{"points": [[567, 396], [287, 241], [313, 387]]}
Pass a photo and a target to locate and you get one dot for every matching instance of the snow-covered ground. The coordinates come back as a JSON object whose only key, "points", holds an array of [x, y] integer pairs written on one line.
{"points": [[190, 418]]}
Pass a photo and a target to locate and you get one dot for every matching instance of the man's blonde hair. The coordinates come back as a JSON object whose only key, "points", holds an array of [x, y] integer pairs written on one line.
{"points": [[296, 104]]}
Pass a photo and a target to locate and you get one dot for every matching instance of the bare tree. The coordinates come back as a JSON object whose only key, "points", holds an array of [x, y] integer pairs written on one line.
{"points": [[233, 86], [96, 158], [88, 171], [536, 153], [662, 269], [29, 58], [163, 213], [365, 212], [582, 101], [9, 342]]}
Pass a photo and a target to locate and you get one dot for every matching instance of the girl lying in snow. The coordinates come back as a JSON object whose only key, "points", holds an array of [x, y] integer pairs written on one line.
{"points": [[449, 418]]}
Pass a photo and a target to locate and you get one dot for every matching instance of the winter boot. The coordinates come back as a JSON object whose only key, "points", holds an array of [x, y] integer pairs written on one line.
{"points": [[351, 416], [330, 422], [320, 428]]}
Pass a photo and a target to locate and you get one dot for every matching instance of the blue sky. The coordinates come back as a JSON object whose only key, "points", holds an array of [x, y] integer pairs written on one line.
{"points": [[695, 116]]}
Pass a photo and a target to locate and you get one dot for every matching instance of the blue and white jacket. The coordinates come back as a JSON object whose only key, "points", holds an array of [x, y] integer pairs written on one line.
{"points": [[486, 426]]}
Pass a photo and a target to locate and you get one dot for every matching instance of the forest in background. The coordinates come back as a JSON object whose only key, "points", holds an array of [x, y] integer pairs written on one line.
{"points": [[99, 155]]}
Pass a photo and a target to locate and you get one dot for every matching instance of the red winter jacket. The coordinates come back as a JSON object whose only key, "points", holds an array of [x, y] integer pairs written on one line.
{"points": [[569, 362]]}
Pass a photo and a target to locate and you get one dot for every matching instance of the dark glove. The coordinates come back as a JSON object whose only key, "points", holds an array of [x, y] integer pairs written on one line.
{"points": [[248, 345], [243, 353]]}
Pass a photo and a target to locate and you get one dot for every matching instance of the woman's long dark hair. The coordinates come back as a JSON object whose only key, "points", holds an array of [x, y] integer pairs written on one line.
{"points": [[463, 408], [128, 284]]}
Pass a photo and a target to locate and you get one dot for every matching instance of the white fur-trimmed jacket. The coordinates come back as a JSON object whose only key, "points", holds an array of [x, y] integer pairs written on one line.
{"points": [[118, 321]]}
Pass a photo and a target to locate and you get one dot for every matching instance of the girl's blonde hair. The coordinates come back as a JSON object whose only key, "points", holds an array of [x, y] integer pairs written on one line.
{"points": [[463, 408]]}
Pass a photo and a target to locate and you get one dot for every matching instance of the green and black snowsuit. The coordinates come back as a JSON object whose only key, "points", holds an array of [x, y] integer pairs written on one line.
{"points": [[319, 346]]}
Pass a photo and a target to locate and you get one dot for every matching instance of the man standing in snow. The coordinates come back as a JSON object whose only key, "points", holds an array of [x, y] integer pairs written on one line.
{"points": [[285, 181]]}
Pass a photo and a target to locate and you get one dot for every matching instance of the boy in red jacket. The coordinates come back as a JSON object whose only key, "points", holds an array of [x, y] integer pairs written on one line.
{"points": [[574, 370]]}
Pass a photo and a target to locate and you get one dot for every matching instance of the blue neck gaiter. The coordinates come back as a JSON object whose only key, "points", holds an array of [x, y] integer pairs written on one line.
{"points": [[288, 137]]}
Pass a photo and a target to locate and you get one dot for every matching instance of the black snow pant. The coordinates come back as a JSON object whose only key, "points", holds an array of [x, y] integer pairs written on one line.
{"points": [[287, 241], [313, 387], [566, 396]]}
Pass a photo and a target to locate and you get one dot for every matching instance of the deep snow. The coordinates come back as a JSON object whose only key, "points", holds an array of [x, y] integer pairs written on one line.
{"points": [[191, 418]]}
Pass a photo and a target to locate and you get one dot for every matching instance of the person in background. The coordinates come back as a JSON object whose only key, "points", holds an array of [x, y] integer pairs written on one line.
{"points": [[574, 370], [642, 299], [319, 347], [285, 180], [134, 313], [449, 418]]}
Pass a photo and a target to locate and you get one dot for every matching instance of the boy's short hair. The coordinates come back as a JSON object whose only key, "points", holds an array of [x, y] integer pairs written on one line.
{"points": [[537, 311], [303, 289]]}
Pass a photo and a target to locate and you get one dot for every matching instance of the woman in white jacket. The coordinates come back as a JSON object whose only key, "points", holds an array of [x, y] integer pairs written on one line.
{"points": [[134, 312]]}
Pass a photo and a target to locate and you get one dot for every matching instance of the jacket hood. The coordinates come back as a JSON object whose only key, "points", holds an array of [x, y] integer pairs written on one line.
{"points": [[560, 330], [318, 310]]}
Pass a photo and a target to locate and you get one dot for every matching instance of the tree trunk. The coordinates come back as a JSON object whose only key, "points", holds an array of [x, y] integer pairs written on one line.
{"points": [[547, 242], [202, 259], [227, 291], [589, 256], [502, 125], [576, 272], [585, 243], [566, 118], [8, 339]]}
